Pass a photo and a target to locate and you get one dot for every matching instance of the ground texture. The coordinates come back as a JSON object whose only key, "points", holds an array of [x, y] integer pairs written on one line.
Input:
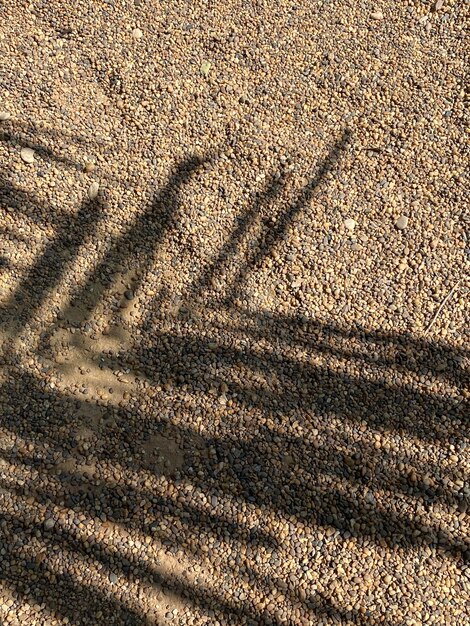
{"points": [[234, 335]]}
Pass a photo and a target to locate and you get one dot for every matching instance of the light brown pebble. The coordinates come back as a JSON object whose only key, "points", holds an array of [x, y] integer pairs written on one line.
{"points": [[89, 167], [402, 222], [27, 154], [377, 15], [350, 224], [4, 116], [93, 190], [137, 33], [205, 67]]}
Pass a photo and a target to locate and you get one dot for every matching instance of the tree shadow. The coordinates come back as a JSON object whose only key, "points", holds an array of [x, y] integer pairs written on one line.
{"points": [[16, 139], [274, 229], [266, 379], [48, 271], [85, 603], [143, 235]]}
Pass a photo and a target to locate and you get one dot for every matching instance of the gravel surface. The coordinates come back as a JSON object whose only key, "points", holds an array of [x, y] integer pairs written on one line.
{"points": [[234, 313]]}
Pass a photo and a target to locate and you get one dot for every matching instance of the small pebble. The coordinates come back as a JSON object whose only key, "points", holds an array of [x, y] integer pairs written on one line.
{"points": [[27, 154], [49, 524], [4, 116], [205, 67], [137, 33], [402, 222], [89, 167], [93, 190], [350, 224], [377, 15]]}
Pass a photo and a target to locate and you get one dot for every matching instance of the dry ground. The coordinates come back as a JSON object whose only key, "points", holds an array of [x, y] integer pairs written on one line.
{"points": [[234, 313]]}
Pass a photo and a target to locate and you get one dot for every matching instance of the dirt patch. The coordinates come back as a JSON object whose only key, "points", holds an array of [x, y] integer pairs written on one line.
{"points": [[162, 455]]}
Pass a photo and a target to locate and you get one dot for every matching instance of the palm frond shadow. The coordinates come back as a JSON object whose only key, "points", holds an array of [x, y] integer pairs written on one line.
{"points": [[271, 466]]}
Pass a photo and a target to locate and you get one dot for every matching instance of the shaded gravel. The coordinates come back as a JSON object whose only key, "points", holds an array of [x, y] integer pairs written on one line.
{"points": [[234, 313]]}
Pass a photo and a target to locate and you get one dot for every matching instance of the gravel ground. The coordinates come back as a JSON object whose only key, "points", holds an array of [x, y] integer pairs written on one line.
{"points": [[234, 313]]}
